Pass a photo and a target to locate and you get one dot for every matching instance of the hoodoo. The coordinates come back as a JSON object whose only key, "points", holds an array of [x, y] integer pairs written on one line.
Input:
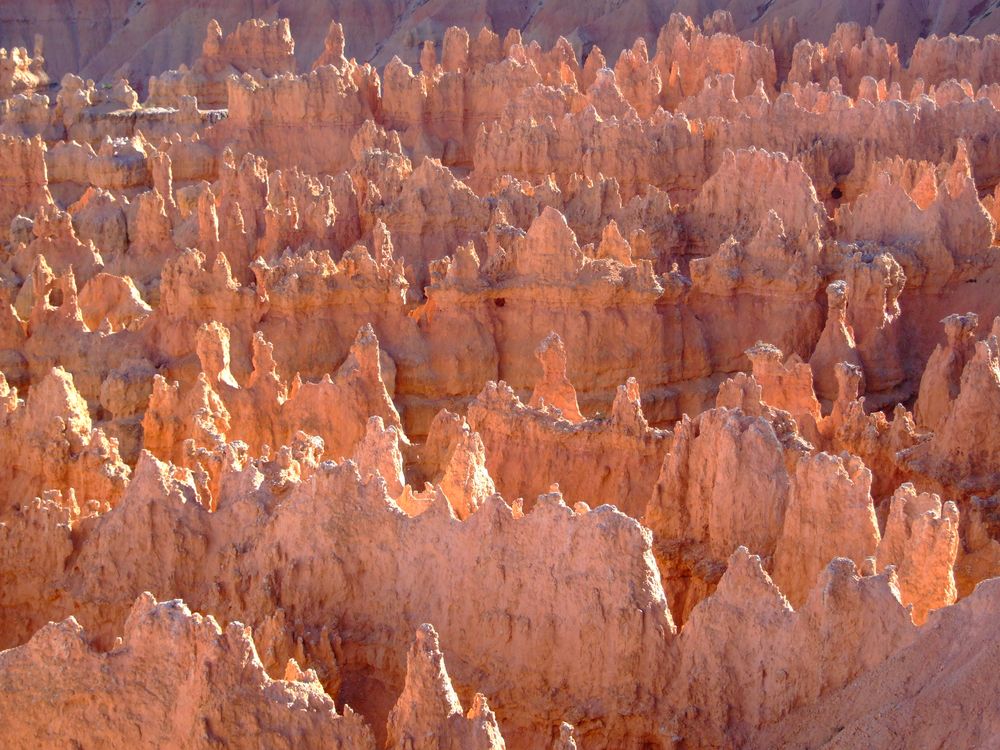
{"points": [[446, 376]]}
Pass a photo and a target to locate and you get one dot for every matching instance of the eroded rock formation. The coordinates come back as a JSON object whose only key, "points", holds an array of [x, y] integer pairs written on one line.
{"points": [[613, 379]]}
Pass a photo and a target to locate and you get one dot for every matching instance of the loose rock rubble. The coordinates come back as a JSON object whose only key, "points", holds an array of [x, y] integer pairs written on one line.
{"points": [[516, 399]]}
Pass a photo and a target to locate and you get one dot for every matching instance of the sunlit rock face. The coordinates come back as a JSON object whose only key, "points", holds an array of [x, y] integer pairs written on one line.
{"points": [[443, 379]]}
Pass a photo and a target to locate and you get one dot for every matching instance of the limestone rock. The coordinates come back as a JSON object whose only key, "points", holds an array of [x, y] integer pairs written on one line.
{"points": [[830, 514], [428, 713], [554, 389], [185, 656], [940, 383], [921, 540], [560, 326]]}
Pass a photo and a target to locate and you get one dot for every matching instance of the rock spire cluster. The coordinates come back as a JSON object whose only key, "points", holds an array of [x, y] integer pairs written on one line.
{"points": [[503, 396]]}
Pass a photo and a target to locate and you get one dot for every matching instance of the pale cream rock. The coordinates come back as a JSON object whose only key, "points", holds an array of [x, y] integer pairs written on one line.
{"points": [[20, 71], [23, 177]]}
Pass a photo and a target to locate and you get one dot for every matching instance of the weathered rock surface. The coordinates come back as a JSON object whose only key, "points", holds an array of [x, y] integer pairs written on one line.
{"points": [[614, 373], [173, 678]]}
